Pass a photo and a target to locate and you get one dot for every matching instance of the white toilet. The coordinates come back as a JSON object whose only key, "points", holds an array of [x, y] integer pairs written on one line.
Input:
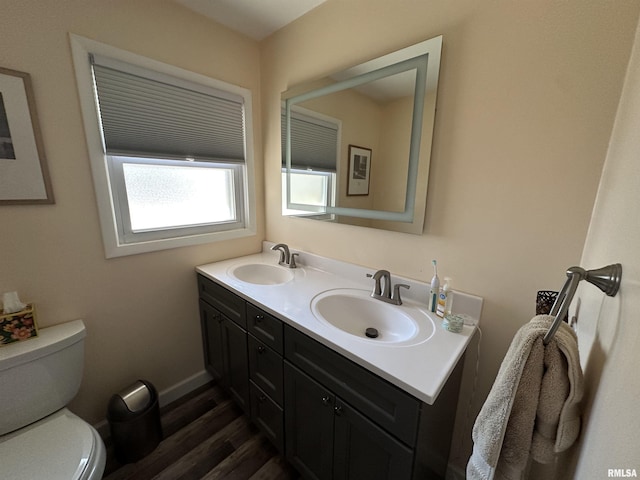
{"points": [[39, 437]]}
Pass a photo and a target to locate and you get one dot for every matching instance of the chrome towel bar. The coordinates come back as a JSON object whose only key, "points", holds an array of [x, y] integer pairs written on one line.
{"points": [[606, 279]]}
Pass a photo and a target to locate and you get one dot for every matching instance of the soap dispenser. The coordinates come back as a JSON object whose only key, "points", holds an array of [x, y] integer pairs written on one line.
{"points": [[445, 298]]}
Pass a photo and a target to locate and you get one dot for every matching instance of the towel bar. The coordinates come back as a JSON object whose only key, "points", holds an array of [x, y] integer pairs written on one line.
{"points": [[606, 279]]}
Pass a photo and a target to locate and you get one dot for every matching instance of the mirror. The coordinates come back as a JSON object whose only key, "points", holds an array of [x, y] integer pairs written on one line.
{"points": [[357, 144]]}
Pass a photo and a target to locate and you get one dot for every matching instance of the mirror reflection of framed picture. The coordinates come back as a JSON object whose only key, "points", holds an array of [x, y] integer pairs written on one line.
{"points": [[24, 178], [359, 170]]}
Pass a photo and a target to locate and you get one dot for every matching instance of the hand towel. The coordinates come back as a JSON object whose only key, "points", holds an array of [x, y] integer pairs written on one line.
{"points": [[558, 414], [532, 408]]}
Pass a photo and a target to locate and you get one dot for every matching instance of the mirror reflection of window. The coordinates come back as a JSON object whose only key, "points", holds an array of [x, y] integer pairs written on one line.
{"points": [[314, 144], [315, 190], [314, 163]]}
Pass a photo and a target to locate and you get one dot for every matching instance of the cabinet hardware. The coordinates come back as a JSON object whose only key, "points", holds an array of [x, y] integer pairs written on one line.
{"points": [[261, 349], [326, 399], [259, 318], [337, 410]]}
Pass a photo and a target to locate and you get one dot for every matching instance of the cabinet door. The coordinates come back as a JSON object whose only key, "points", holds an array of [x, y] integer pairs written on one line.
{"points": [[363, 450], [308, 425], [236, 362], [213, 345]]}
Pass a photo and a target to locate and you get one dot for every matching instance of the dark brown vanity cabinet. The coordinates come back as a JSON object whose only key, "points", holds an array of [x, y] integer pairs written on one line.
{"points": [[265, 373], [332, 418], [326, 438], [243, 351], [225, 352], [345, 422]]}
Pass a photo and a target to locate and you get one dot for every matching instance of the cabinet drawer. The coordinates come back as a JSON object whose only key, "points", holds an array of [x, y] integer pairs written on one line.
{"points": [[267, 415], [391, 408], [231, 305], [265, 327], [265, 369]]}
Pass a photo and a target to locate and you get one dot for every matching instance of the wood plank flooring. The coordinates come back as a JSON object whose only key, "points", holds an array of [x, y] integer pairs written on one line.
{"points": [[206, 436]]}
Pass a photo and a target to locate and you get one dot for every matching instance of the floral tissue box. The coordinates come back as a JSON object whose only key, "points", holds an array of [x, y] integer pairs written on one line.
{"points": [[18, 326]]}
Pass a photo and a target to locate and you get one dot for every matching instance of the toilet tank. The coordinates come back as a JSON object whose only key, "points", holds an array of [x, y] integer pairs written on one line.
{"points": [[40, 375]]}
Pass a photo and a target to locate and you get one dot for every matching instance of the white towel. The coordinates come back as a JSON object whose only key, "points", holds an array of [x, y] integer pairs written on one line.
{"points": [[533, 406]]}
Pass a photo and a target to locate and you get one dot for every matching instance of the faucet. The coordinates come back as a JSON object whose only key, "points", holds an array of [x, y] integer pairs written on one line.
{"points": [[287, 258], [385, 294]]}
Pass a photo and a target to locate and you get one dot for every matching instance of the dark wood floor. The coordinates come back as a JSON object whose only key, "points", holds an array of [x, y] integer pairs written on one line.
{"points": [[206, 436]]}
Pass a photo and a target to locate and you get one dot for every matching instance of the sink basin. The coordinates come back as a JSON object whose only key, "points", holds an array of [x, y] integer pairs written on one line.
{"points": [[356, 313], [261, 274]]}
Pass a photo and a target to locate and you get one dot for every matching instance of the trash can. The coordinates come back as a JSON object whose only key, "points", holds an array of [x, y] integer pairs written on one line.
{"points": [[134, 421]]}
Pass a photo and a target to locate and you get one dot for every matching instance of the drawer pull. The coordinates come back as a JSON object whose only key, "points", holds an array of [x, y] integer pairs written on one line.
{"points": [[259, 318], [262, 398], [261, 349], [326, 399], [337, 410]]}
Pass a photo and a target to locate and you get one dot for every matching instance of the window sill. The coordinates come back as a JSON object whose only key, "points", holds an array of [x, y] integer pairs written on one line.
{"points": [[114, 250]]}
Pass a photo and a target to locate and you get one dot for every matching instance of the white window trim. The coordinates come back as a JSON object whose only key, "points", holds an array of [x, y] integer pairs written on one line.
{"points": [[80, 48], [311, 211], [115, 166]]}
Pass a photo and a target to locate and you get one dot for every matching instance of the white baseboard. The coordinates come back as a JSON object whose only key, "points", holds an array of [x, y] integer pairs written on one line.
{"points": [[188, 385], [167, 395]]}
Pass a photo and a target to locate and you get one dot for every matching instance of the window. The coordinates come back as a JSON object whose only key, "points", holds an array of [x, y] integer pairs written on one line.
{"points": [[171, 151], [160, 199], [313, 189]]}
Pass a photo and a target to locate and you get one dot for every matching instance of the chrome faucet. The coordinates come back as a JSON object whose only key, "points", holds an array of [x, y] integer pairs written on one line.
{"points": [[287, 259], [384, 294]]}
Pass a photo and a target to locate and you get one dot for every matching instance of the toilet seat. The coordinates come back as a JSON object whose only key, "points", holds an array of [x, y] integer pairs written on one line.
{"points": [[60, 446]]}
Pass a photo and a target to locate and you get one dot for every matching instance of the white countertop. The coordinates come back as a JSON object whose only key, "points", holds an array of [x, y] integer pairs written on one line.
{"points": [[420, 369]]}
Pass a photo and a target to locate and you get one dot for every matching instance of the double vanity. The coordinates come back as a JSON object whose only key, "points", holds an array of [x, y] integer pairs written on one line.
{"points": [[345, 385]]}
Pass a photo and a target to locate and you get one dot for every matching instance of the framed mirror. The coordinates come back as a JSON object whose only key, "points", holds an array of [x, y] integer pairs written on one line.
{"points": [[357, 144]]}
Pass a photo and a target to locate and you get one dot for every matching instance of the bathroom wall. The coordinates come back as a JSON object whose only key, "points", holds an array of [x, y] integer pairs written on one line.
{"points": [[608, 328], [140, 311], [527, 98]]}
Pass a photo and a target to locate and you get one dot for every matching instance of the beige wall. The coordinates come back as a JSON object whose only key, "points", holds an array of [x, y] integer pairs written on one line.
{"points": [[608, 328], [527, 96], [140, 311], [389, 178]]}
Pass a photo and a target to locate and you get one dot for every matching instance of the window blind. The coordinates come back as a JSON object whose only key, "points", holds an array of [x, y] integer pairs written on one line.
{"points": [[314, 142], [151, 114]]}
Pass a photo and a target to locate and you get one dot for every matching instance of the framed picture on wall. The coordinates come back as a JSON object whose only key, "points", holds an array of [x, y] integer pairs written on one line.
{"points": [[24, 178], [359, 170]]}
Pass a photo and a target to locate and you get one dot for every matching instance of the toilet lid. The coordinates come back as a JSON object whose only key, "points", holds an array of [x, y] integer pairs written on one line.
{"points": [[58, 447]]}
